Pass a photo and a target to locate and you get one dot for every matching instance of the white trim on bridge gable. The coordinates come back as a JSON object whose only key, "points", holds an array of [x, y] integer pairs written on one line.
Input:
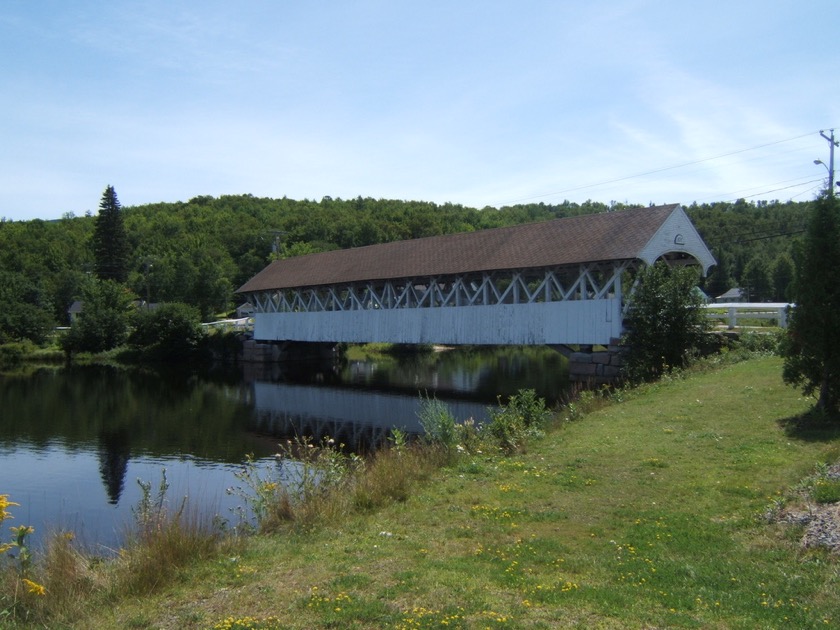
{"points": [[677, 235]]}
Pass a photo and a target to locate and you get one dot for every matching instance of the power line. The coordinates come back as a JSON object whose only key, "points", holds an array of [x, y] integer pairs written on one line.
{"points": [[778, 189], [766, 236], [658, 170]]}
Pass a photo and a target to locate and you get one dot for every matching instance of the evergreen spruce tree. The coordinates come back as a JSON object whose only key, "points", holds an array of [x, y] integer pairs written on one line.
{"points": [[757, 279], [110, 242], [812, 344], [783, 273], [720, 280]]}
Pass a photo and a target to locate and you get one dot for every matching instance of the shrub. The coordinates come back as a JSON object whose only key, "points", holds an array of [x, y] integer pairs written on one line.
{"points": [[12, 354], [25, 322], [469, 436], [823, 485], [103, 323], [523, 417], [760, 343], [171, 332], [826, 490], [438, 422]]}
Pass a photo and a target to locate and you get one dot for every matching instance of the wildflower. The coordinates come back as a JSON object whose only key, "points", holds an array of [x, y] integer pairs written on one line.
{"points": [[23, 531], [4, 504], [34, 588]]}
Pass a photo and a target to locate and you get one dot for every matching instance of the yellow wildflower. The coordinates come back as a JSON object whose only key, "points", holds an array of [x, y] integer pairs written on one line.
{"points": [[5, 503], [34, 588], [23, 530]]}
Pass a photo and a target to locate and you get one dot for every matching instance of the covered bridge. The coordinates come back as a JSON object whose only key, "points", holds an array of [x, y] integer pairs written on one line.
{"points": [[555, 282]]}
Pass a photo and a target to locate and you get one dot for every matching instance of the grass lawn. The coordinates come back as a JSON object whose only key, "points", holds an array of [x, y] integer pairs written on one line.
{"points": [[641, 515]]}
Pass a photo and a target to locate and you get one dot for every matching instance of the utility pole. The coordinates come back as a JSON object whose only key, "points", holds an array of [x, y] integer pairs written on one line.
{"points": [[277, 244], [831, 143]]}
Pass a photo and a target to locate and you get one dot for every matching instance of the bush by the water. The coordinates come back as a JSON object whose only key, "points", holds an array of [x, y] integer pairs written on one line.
{"points": [[524, 416], [168, 332], [508, 428]]}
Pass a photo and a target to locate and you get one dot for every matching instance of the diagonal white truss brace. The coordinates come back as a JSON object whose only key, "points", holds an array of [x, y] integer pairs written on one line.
{"points": [[591, 281]]}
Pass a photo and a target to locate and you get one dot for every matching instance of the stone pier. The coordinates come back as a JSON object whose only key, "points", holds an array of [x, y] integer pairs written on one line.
{"points": [[254, 351], [597, 365]]}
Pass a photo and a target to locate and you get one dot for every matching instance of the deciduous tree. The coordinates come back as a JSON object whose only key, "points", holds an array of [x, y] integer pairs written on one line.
{"points": [[103, 323], [665, 323], [171, 332]]}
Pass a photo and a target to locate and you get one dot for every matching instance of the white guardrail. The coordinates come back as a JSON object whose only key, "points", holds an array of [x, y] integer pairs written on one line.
{"points": [[733, 311], [243, 323]]}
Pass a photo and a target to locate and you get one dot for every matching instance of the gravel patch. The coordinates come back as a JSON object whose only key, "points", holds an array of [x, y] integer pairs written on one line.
{"points": [[821, 521]]}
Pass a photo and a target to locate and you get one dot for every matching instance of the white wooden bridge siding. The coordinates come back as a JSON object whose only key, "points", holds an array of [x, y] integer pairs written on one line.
{"points": [[566, 322]]}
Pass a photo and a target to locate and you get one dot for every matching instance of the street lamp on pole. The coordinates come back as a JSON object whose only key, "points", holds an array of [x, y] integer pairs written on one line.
{"points": [[830, 174], [830, 166]]}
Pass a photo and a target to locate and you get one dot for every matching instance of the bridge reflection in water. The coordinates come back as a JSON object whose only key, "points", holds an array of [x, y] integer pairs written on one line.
{"points": [[73, 440], [360, 420]]}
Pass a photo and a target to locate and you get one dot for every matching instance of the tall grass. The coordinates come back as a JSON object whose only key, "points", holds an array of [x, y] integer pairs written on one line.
{"points": [[164, 540], [60, 583], [319, 484], [69, 578], [392, 474]]}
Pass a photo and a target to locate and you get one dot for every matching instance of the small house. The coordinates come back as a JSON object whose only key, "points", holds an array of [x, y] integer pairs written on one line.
{"points": [[733, 295]]}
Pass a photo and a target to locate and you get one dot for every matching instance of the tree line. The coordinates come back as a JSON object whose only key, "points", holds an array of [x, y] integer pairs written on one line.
{"points": [[199, 251]]}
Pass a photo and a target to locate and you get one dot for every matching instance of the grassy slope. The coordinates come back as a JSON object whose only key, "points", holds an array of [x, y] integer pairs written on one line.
{"points": [[640, 515]]}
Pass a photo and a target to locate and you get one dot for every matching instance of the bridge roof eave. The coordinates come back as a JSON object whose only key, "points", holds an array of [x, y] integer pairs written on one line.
{"points": [[677, 235], [420, 279], [636, 234]]}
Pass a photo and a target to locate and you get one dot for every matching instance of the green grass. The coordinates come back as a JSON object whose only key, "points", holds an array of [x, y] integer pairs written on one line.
{"points": [[641, 514]]}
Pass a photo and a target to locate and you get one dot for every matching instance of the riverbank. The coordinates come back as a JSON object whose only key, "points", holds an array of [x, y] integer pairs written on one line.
{"points": [[647, 513]]}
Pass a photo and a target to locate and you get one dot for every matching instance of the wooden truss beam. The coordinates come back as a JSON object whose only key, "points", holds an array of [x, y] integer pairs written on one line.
{"points": [[591, 281]]}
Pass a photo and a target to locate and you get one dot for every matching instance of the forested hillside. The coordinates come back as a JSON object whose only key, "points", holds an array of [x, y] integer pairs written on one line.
{"points": [[200, 251]]}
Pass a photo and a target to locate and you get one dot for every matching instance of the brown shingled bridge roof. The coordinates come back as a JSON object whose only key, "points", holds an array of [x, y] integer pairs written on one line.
{"points": [[597, 237]]}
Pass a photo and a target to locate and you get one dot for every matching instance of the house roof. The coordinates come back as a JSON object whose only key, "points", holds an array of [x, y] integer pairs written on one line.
{"points": [[733, 294], [622, 235]]}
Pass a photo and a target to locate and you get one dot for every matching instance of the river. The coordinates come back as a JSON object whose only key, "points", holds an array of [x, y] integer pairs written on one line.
{"points": [[74, 441]]}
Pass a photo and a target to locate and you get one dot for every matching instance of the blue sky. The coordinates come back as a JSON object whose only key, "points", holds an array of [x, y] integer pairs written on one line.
{"points": [[472, 102]]}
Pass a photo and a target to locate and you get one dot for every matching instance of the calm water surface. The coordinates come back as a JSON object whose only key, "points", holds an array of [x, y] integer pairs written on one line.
{"points": [[74, 441]]}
